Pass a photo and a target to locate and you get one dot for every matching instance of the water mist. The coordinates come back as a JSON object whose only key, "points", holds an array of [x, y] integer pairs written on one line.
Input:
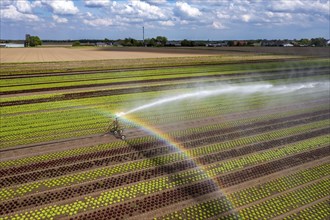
{"points": [[223, 89]]}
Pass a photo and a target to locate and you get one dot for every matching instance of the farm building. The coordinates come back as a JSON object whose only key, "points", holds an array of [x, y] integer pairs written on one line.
{"points": [[11, 45]]}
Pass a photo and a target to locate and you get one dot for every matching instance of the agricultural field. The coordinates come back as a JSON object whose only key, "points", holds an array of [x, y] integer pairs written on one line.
{"points": [[49, 54], [225, 135]]}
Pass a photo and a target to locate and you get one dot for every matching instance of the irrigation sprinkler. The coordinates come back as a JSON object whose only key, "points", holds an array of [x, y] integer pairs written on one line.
{"points": [[115, 128]]}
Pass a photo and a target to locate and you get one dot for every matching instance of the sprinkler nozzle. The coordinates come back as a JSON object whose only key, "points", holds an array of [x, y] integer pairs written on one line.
{"points": [[120, 114]]}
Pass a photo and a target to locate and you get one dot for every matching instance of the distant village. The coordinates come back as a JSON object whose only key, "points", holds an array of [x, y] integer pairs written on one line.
{"points": [[161, 41]]}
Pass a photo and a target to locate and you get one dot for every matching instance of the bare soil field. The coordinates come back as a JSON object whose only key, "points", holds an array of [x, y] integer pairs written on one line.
{"points": [[10, 55], [296, 51], [53, 54]]}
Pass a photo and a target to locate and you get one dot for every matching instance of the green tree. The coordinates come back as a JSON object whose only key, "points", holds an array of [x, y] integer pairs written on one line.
{"points": [[187, 43], [128, 42], [161, 40], [150, 42], [319, 42], [34, 41], [304, 41]]}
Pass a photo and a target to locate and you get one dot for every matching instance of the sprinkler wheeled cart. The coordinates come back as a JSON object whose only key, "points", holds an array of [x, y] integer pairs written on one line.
{"points": [[115, 129]]}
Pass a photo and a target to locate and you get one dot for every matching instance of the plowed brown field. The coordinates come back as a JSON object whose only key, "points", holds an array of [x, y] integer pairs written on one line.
{"points": [[10, 55]]}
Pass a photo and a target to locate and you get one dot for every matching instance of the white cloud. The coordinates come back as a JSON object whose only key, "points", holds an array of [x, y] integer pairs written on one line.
{"points": [[301, 6], [188, 10], [119, 20], [218, 25], [58, 19], [156, 2], [138, 9], [167, 23], [97, 3], [104, 22], [275, 12], [284, 5], [246, 17], [222, 15], [123, 9], [6, 2], [62, 7], [184, 22], [36, 4], [147, 10], [24, 6], [11, 13], [90, 15]]}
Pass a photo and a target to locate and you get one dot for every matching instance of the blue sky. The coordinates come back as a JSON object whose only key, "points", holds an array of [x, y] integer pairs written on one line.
{"points": [[194, 19]]}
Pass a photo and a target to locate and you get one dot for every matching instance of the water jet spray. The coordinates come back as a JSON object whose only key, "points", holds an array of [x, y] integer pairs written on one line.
{"points": [[224, 89], [234, 89]]}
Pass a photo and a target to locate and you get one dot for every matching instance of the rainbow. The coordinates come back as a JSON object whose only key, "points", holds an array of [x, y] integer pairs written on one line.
{"points": [[130, 119]]}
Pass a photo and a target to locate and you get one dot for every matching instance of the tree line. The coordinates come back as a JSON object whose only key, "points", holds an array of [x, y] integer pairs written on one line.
{"points": [[161, 41]]}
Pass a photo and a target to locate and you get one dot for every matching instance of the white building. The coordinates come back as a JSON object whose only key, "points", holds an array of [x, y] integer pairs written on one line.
{"points": [[12, 45]]}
